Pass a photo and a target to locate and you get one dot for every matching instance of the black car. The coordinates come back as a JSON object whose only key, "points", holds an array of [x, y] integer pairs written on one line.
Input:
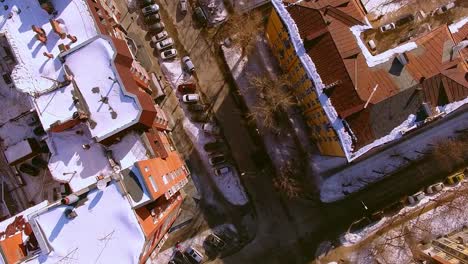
{"points": [[156, 27], [200, 16], [213, 146], [144, 3], [28, 169], [196, 107], [153, 18]]}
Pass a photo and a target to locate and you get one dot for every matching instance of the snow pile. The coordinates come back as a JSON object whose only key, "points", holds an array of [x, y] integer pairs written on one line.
{"points": [[373, 60], [382, 7], [448, 108], [105, 230], [311, 70], [174, 73], [454, 27]]}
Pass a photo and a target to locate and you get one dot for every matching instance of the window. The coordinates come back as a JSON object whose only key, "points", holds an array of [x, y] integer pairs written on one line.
{"points": [[153, 183], [165, 180]]}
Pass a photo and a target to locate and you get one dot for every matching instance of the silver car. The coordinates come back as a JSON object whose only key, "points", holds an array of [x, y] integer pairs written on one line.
{"points": [[164, 44], [151, 9], [188, 64]]}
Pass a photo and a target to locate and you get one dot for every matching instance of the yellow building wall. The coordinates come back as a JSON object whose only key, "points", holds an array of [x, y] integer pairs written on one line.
{"points": [[322, 132]]}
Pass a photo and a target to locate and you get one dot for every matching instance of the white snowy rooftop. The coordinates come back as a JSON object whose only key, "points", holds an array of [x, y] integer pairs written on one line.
{"points": [[129, 150], [55, 106], [71, 162], [105, 230], [110, 107], [35, 72]]}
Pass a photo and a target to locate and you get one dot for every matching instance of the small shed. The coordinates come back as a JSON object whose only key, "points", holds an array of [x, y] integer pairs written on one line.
{"points": [[22, 151]]}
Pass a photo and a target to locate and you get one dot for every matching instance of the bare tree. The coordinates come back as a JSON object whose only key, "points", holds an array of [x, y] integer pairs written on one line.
{"points": [[243, 29], [273, 96], [286, 183], [451, 153]]}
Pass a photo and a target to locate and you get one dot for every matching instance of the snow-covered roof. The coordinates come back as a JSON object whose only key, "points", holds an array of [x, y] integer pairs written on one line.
{"points": [[110, 107], [55, 106], [71, 162], [129, 150], [105, 230], [35, 72]]}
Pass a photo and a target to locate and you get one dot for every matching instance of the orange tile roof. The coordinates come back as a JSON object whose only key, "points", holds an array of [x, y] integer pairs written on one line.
{"points": [[13, 248]]}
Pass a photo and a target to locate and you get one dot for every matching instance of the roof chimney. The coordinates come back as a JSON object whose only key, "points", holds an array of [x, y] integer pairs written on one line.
{"points": [[402, 58]]}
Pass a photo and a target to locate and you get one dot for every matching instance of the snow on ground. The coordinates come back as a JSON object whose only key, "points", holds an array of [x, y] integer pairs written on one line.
{"points": [[349, 239], [359, 175], [34, 71], [110, 106], [174, 73], [215, 10], [382, 7], [74, 163], [374, 60], [454, 27], [106, 230], [309, 66]]}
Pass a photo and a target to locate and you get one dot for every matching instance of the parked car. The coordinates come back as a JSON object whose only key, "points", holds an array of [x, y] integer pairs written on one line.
{"points": [[434, 188], [223, 170], [168, 54], [200, 117], [200, 16], [197, 107], [213, 146], [455, 178], [190, 98], [211, 128], [38, 162], [218, 159], [194, 255], [156, 27], [28, 169], [442, 9], [186, 88], [183, 6], [158, 37], [387, 27], [188, 64], [214, 242], [164, 44], [371, 44], [416, 198], [144, 3], [151, 9], [150, 19]]}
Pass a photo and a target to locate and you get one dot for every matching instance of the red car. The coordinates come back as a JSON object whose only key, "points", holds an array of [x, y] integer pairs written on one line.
{"points": [[186, 88]]}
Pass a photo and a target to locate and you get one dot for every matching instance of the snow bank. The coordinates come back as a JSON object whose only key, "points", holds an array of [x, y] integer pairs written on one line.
{"points": [[174, 73], [373, 60], [382, 7], [311, 70], [454, 27]]}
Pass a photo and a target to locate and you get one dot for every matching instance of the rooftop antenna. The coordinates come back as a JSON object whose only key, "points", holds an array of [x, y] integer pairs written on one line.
{"points": [[370, 97]]}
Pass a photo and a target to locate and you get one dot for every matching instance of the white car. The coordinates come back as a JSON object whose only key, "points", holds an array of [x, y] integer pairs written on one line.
{"points": [[151, 9], [190, 98], [168, 54], [443, 9], [387, 27], [434, 188], [164, 44], [223, 170], [211, 128], [158, 37], [416, 198]]}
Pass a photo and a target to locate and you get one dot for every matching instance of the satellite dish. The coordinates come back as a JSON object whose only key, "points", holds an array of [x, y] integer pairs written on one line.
{"points": [[101, 184]]}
